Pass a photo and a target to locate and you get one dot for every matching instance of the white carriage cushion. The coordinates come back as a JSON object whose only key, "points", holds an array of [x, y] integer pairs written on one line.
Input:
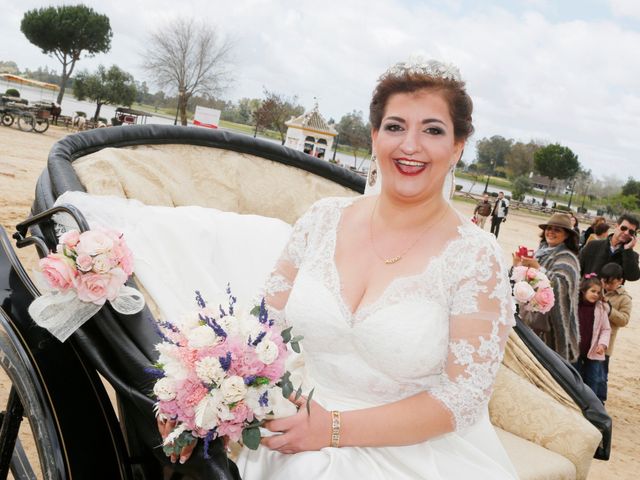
{"points": [[533, 462], [176, 175], [523, 362], [526, 411]]}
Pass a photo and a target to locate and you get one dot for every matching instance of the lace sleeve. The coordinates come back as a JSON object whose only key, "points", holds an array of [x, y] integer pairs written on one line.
{"points": [[278, 285], [481, 316]]}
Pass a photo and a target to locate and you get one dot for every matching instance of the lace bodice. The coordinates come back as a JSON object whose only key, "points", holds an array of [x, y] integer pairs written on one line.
{"points": [[442, 331]]}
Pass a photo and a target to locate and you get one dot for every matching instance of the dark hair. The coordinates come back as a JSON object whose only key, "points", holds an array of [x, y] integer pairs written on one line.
{"points": [[597, 220], [601, 228], [571, 242], [587, 283], [453, 93], [572, 215], [632, 219], [611, 270]]}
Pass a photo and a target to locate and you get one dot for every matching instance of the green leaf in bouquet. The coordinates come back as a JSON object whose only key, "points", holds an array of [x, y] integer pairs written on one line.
{"points": [[299, 392], [295, 346], [251, 437], [255, 311], [286, 385], [286, 334], [261, 381], [297, 339], [309, 401]]}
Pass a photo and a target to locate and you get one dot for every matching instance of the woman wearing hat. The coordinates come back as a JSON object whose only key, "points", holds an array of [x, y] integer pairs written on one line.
{"points": [[557, 256]]}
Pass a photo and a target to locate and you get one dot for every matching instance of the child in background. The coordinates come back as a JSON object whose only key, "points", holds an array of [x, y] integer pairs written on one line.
{"points": [[594, 334], [620, 303], [600, 232]]}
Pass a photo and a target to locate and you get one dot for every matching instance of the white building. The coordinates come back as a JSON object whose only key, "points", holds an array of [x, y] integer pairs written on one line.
{"points": [[310, 133]]}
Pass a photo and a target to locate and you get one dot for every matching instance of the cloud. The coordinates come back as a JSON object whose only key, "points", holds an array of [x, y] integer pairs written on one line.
{"points": [[625, 8]]}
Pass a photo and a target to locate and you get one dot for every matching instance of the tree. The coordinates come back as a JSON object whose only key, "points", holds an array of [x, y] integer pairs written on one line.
{"points": [[112, 86], [632, 187], [188, 57], [520, 186], [354, 132], [274, 110], [65, 32], [555, 161], [492, 152], [519, 159]]}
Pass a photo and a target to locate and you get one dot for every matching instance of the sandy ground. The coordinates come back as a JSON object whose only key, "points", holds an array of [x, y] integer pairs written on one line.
{"points": [[23, 156]]}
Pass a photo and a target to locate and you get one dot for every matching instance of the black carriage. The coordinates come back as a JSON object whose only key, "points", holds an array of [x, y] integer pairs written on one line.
{"points": [[79, 431], [29, 118]]}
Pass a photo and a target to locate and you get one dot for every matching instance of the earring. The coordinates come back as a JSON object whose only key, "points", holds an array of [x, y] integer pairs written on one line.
{"points": [[372, 178]]}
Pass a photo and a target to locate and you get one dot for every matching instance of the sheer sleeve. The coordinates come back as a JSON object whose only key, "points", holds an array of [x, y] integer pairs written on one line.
{"points": [[481, 316], [280, 281]]}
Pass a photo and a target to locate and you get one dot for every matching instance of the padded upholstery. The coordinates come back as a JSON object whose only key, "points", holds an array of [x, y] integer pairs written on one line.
{"points": [[526, 411], [533, 462], [176, 175]]}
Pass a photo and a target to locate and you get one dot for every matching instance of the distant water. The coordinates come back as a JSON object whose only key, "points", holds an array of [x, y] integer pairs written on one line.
{"points": [[70, 104]]}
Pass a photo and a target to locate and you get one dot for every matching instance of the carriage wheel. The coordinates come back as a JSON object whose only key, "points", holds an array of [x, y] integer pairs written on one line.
{"points": [[23, 403], [41, 125], [7, 119], [26, 122]]}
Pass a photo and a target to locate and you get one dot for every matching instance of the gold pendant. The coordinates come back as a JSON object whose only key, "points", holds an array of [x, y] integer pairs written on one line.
{"points": [[393, 260]]}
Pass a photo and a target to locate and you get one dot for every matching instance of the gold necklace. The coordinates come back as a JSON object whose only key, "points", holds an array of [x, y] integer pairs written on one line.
{"points": [[397, 258]]}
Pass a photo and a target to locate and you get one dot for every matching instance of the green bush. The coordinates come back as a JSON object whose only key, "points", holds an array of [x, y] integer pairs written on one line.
{"points": [[563, 208], [458, 188], [81, 114], [12, 92]]}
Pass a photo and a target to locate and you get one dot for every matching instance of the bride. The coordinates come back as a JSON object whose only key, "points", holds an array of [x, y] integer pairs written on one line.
{"points": [[405, 308]]}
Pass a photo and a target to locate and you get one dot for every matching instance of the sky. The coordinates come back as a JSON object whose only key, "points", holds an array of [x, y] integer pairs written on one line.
{"points": [[556, 71]]}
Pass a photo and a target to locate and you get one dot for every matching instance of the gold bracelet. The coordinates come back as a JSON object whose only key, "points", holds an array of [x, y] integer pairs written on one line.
{"points": [[335, 429]]}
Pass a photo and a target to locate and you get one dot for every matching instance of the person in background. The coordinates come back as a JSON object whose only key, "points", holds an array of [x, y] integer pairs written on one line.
{"points": [[575, 223], [483, 210], [499, 213], [600, 232], [557, 254], [587, 233], [595, 332], [620, 303], [617, 247]]}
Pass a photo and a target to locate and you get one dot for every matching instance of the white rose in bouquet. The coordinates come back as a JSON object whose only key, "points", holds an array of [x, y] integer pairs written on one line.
{"points": [[188, 321], [267, 351], [164, 389], [202, 336], [230, 324], [523, 292], [233, 389]]}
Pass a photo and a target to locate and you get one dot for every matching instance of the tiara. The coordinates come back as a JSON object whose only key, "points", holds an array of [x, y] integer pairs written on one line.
{"points": [[431, 68]]}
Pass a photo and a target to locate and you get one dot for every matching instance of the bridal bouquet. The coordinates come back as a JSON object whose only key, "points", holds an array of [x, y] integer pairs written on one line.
{"points": [[532, 289], [220, 373], [86, 270]]}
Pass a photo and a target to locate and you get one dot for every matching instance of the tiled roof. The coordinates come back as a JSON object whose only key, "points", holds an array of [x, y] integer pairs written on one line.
{"points": [[312, 120]]}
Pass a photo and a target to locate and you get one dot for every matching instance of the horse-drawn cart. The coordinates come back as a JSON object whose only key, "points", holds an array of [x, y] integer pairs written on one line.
{"points": [[59, 387], [29, 118]]}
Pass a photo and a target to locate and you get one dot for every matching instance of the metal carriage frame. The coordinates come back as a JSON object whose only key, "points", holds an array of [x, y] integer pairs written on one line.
{"points": [[58, 386]]}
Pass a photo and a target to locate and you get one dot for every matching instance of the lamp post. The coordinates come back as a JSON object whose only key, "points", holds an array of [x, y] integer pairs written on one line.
{"points": [[573, 187], [335, 148], [486, 185]]}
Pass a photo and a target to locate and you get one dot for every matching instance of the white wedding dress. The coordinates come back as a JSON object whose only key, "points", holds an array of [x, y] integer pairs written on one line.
{"points": [[442, 331]]}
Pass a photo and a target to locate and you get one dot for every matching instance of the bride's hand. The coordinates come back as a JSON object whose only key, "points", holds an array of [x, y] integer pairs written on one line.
{"points": [[166, 427], [300, 432]]}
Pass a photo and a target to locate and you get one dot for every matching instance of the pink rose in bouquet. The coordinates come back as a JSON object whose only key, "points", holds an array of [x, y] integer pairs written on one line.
{"points": [[218, 373], [58, 271], [532, 289], [544, 299]]}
